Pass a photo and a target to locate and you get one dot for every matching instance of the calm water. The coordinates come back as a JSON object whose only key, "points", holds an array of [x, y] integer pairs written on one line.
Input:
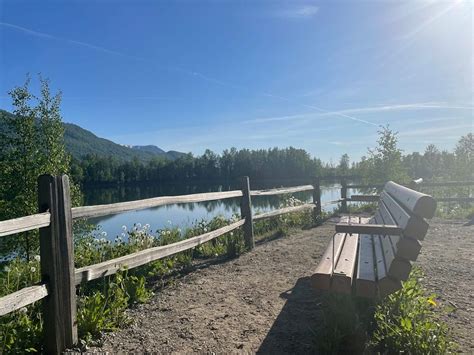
{"points": [[183, 215]]}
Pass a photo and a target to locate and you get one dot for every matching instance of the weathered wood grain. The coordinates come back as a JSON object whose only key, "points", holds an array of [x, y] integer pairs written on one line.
{"points": [[418, 203], [385, 284], [366, 278], [317, 198], [246, 213], [362, 228], [143, 257], [364, 198], [102, 210], [283, 211], [23, 224], [342, 277], [57, 264], [22, 298], [412, 226], [321, 278], [405, 247], [283, 190]]}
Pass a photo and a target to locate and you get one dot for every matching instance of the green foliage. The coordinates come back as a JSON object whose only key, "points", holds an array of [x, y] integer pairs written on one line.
{"points": [[384, 162], [31, 144], [406, 321]]}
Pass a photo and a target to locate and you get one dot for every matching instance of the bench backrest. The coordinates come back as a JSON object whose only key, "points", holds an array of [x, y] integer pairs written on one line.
{"points": [[407, 209]]}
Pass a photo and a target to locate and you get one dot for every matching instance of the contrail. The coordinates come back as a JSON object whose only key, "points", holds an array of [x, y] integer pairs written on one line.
{"points": [[191, 73]]}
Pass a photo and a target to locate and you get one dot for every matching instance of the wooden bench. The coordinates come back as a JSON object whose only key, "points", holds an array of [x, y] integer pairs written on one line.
{"points": [[369, 257]]}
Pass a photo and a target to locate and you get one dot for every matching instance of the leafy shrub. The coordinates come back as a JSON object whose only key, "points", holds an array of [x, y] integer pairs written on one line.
{"points": [[406, 321]]}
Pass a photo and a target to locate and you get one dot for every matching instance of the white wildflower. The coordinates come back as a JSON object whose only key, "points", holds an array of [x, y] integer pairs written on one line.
{"points": [[103, 240], [23, 310], [37, 258], [205, 230], [139, 225], [231, 234], [123, 235], [124, 228], [33, 269], [104, 234], [147, 226]]}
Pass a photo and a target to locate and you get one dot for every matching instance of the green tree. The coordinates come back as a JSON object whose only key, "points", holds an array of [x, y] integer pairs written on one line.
{"points": [[384, 162], [464, 153], [32, 143], [344, 164]]}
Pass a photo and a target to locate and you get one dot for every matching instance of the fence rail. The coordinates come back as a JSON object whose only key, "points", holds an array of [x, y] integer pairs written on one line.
{"points": [[54, 221]]}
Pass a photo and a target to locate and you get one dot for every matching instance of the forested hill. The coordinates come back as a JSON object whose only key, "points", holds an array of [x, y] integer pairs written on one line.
{"points": [[81, 142]]}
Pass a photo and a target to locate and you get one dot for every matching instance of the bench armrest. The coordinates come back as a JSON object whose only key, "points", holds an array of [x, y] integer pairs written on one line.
{"points": [[359, 228]]}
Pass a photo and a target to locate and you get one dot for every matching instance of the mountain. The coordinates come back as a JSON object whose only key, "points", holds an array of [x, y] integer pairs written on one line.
{"points": [[80, 142]]}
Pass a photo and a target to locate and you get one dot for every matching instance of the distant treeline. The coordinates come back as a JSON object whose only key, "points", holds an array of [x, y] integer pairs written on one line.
{"points": [[277, 164]]}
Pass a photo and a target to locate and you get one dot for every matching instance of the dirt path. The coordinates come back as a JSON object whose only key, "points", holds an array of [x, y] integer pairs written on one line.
{"points": [[262, 301]]}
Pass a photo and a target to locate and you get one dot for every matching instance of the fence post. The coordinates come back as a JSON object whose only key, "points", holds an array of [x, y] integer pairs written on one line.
{"points": [[317, 199], [246, 212], [343, 195], [57, 264]]}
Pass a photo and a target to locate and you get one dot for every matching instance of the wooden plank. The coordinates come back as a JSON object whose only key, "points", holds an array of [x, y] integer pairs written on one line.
{"points": [[283, 211], [418, 203], [343, 195], [405, 247], [23, 224], [134, 260], [363, 228], [57, 264], [246, 213], [341, 281], [364, 198], [321, 278], [397, 267], [317, 199], [103, 210], [412, 226], [22, 298], [361, 186], [385, 284], [366, 278], [283, 190]]}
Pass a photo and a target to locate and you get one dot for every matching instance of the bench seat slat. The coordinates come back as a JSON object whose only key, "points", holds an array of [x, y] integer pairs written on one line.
{"points": [[321, 278], [366, 278], [344, 269]]}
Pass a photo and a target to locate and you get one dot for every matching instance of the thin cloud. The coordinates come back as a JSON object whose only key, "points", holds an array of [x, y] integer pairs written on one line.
{"points": [[70, 41], [398, 107], [300, 12], [433, 130]]}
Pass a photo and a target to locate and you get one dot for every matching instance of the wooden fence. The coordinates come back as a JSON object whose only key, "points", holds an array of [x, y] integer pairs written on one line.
{"points": [[59, 278]]}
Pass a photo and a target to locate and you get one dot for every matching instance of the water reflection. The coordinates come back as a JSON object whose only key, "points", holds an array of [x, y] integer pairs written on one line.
{"points": [[184, 215]]}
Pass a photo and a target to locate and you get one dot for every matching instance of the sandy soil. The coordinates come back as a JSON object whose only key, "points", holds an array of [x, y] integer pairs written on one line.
{"points": [[262, 302]]}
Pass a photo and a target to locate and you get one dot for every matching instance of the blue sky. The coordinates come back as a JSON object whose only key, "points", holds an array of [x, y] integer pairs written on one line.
{"points": [[189, 75]]}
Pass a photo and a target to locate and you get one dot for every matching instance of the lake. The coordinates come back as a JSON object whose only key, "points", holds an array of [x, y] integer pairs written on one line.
{"points": [[185, 215]]}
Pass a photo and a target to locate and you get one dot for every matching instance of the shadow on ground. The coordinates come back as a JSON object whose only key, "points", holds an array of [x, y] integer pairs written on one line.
{"points": [[295, 329]]}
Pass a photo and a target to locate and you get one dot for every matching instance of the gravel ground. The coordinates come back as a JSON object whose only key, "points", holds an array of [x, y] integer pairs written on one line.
{"points": [[262, 301]]}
